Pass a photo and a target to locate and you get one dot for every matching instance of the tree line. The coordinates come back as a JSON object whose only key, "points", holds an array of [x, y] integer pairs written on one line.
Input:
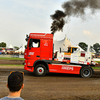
{"points": [[95, 46], [3, 44], [83, 45]]}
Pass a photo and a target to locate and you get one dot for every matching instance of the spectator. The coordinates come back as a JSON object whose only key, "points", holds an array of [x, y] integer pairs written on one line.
{"points": [[15, 86]]}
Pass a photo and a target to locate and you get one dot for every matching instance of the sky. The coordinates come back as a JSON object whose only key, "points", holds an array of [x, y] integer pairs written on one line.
{"points": [[21, 17]]}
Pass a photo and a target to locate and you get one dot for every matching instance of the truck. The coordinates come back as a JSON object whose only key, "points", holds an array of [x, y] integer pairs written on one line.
{"points": [[39, 58], [75, 55]]}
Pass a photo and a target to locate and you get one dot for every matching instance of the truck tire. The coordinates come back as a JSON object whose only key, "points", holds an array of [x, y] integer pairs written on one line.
{"points": [[86, 72], [40, 70]]}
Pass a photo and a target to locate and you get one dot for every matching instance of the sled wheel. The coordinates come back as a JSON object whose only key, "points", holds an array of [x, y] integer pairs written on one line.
{"points": [[40, 70], [86, 72]]}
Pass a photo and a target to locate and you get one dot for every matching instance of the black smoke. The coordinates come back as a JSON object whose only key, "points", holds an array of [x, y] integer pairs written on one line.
{"points": [[76, 8], [58, 21]]}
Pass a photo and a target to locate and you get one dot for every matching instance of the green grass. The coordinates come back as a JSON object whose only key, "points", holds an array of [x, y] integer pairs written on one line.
{"points": [[6, 58], [96, 67], [10, 65], [98, 61]]}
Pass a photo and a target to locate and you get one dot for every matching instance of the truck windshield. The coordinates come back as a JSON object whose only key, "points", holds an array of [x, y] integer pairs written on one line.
{"points": [[34, 43]]}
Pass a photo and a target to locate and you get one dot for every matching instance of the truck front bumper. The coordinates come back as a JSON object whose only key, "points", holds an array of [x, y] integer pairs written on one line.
{"points": [[28, 68]]}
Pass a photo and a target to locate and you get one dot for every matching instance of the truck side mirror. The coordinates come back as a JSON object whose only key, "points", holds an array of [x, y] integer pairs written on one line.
{"points": [[30, 43], [27, 37], [25, 46], [60, 50]]}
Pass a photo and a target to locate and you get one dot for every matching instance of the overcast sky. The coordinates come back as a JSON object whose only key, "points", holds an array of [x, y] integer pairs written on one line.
{"points": [[21, 17]]}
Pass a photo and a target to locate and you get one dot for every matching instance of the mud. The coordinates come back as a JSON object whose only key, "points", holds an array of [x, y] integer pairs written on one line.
{"points": [[53, 86], [12, 62]]}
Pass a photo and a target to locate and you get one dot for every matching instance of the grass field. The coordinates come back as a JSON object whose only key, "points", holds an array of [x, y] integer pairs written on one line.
{"points": [[6, 58], [96, 67], [98, 61], [23, 65], [10, 65]]}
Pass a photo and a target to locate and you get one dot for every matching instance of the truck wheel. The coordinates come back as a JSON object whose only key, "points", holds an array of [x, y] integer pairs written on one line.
{"points": [[86, 72], [40, 70]]}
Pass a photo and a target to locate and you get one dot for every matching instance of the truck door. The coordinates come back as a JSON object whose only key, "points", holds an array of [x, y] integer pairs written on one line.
{"points": [[34, 49], [46, 49]]}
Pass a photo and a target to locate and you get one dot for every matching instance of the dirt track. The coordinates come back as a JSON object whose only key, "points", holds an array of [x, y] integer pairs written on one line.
{"points": [[16, 62], [54, 86]]}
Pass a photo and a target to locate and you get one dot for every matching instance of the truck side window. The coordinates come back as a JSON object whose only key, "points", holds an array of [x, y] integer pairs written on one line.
{"points": [[74, 49], [69, 49], [34, 43]]}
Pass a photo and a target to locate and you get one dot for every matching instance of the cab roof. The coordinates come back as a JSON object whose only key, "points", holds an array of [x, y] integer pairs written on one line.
{"points": [[41, 36]]}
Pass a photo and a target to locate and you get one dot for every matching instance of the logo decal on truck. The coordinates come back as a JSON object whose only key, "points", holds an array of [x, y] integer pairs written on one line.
{"points": [[31, 53], [46, 44], [67, 68]]}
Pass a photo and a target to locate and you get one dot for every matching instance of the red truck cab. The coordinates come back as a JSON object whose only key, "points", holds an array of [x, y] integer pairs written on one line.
{"points": [[39, 48]]}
